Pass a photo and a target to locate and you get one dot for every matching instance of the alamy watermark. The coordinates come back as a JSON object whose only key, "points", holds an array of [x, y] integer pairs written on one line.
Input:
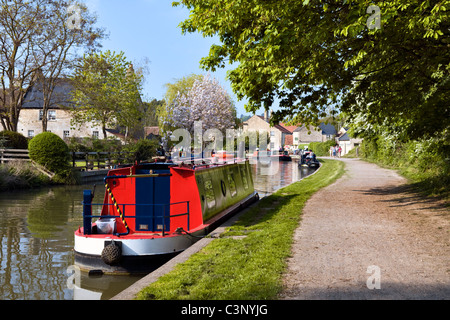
{"points": [[374, 21], [74, 279], [199, 144], [374, 281], [74, 20]]}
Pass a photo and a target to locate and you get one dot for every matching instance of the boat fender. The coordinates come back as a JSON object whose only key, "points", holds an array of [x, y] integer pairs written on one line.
{"points": [[111, 254]]}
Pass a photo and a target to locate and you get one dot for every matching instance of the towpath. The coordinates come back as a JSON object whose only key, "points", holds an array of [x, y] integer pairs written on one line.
{"points": [[367, 237]]}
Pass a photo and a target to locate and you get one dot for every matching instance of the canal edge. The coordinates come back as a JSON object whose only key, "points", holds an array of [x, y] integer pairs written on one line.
{"points": [[131, 292]]}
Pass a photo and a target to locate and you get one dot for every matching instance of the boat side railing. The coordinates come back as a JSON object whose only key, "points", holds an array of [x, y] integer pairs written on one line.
{"points": [[88, 216]]}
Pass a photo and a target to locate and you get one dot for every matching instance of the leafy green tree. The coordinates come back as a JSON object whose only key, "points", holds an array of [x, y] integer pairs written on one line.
{"points": [[151, 112], [311, 54], [107, 91], [37, 44]]}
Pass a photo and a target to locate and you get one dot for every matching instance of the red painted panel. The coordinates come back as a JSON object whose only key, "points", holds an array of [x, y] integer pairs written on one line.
{"points": [[183, 187], [124, 191]]}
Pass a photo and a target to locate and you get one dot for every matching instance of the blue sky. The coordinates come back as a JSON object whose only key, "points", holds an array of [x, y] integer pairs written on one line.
{"points": [[148, 29]]}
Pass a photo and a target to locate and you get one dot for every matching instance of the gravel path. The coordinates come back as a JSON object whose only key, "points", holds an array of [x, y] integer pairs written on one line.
{"points": [[369, 218]]}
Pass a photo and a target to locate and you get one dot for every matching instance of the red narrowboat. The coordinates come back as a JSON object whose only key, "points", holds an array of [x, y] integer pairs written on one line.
{"points": [[151, 212]]}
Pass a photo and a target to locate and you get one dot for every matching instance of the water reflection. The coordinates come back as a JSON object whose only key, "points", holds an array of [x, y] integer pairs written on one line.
{"points": [[36, 236], [270, 176]]}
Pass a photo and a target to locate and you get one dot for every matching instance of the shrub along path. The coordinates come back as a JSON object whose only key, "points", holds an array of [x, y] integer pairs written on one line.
{"points": [[370, 217]]}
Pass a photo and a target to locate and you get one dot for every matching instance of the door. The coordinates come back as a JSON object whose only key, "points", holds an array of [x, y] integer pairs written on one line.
{"points": [[153, 203]]}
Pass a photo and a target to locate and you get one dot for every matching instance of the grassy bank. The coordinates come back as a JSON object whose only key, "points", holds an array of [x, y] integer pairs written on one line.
{"points": [[21, 176], [250, 266]]}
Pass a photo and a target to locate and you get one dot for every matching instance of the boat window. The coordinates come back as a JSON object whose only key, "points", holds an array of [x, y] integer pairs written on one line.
{"points": [[244, 177], [232, 184], [223, 187], [209, 192]]}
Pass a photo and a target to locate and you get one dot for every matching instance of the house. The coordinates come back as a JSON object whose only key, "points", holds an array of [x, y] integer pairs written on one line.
{"points": [[152, 133], [346, 142], [277, 133], [304, 134], [59, 118]]}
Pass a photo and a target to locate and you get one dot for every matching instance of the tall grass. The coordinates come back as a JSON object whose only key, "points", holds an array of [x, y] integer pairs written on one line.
{"points": [[249, 267], [21, 175]]}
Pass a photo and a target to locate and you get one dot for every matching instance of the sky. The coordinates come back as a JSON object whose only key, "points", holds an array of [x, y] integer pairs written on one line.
{"points": [[149, 29]]}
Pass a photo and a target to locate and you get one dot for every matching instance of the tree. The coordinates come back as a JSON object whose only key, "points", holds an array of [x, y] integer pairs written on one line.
{"points": [[205, 102], [106, 90], [179, 87], [151, 112], [311, 54], [36, 44]]}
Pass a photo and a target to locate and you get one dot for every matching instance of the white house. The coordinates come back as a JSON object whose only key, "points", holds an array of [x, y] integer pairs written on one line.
{"points": [[346, 142]]}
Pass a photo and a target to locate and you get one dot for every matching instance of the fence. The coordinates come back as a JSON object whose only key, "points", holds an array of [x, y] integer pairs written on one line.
{"points": [[11, 155], [82, 161], [85, 161]]}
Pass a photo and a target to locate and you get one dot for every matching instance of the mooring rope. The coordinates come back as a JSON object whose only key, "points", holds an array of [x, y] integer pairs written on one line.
{"points": [[117, 206]]}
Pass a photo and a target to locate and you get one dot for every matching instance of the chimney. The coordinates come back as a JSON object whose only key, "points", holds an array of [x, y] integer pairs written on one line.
{"points": [[266, 116]]}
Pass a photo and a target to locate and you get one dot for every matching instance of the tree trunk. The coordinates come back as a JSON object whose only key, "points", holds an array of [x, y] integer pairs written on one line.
{"points": [[44, 121]]}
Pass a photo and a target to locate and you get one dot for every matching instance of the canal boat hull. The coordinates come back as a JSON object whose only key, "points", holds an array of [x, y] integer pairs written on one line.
{"points": [[211, 193], [308, 159]]}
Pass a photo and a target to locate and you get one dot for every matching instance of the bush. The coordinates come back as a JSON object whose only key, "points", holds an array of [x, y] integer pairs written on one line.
{"points": [[50, 151], [322, 149], [140, 151], [424, 162], [13, 140]]}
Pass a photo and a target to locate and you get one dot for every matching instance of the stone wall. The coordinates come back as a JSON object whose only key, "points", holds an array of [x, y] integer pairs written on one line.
{"points": [[29, 125]]}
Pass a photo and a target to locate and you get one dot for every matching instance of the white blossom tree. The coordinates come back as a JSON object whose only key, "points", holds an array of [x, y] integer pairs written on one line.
{"points": [[208, 103]]}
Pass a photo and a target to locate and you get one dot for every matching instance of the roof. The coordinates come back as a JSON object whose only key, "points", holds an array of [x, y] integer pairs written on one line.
{"points": [[34, 99], [151, 130], [278, 126], [328, 129], [282, 129], [344, 137], [290, 128]]}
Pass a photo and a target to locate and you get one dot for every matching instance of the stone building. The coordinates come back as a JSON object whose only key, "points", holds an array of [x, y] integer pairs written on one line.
{"points": [[277, 133], [304, 135], [59, 118]]}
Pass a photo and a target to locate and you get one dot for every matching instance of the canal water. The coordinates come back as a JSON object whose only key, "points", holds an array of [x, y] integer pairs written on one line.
{"points": [[36, 235]]}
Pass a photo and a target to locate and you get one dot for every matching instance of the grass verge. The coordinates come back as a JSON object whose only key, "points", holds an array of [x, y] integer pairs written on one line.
{"points": [[19, 176], [248, 261]]}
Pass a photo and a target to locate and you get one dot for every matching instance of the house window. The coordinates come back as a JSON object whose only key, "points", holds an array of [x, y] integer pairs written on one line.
{"points": [[52, 115], [272, 133], [95, 134], [66, 133], [30, 133], [296, 138]]}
